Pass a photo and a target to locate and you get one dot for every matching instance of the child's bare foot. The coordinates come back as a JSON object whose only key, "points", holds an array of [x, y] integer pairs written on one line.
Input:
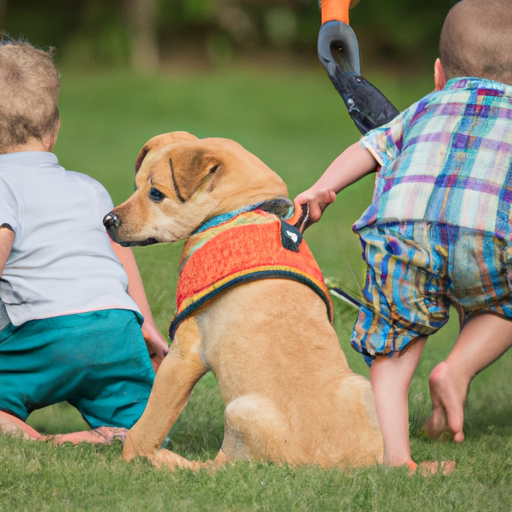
{"points": [[448, 398], [102, 435], [11, 424], [429, 468]]}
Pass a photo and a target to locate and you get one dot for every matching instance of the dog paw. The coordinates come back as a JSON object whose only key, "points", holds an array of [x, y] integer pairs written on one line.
{"points": [[171, 460]]}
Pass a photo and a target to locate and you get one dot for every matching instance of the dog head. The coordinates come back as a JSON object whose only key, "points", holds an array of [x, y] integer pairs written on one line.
{"points": [[182, 182]]}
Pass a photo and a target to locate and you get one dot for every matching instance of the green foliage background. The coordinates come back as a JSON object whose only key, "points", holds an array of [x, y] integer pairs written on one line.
{"points": [[391, 32]]}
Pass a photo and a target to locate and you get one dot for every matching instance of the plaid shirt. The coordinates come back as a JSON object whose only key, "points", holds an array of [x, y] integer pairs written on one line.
{"points": [[447, 159]]}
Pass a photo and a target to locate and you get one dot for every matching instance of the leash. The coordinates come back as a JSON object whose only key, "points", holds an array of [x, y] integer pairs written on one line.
{"points": [[344, 296]]}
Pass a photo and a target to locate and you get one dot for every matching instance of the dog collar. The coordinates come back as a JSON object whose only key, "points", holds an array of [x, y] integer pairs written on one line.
{"points": [[280, 206]]}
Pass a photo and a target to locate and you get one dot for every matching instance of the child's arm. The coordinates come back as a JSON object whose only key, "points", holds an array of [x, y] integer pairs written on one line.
{"points": [[157, 346], [6, 241], [354, 163]]}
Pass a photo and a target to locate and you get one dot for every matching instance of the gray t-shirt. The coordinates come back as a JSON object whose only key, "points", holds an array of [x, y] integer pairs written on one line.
{"points": [[61, 260]]}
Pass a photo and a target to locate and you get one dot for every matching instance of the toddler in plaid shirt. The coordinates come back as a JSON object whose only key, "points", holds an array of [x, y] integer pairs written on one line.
{"points": [[438, 232]]}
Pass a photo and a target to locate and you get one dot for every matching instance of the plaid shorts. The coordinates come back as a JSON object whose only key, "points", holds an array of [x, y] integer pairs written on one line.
{"points": [[416, 271]]}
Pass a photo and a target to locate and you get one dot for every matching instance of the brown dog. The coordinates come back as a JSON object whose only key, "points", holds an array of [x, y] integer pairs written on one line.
{"points": [[288, 391]]}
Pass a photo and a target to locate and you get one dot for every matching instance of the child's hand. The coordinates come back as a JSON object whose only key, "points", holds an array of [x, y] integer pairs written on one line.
{"points": [[157, 346], [318, 200]]}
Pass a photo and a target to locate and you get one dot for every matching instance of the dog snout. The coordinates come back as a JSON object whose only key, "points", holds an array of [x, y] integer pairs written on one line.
{"points": [[111, 220]]}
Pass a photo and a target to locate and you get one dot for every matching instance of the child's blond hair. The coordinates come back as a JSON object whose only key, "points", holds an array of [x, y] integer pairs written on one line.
{"points": [[29, 88]]}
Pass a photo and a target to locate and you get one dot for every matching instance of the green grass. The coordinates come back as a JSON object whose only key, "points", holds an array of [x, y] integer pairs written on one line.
{"points": [[295, 122]]}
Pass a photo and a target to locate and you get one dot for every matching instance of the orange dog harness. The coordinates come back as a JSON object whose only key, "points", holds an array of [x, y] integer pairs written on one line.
{"points": [[249, 246]]}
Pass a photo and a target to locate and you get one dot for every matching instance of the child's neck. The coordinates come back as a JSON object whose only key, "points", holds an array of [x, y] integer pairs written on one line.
{"points": [[34, 145]]}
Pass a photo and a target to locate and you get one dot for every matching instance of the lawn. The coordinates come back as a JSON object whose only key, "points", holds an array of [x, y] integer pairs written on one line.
{"points": [[296, 123]]}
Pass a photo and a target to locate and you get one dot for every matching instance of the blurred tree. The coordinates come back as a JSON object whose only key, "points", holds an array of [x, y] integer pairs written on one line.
{"points": [[141, 18], [85, 32], [390, 32], [144, 32], [3, 5], [44, 23], [398, 32], [220, 29]]}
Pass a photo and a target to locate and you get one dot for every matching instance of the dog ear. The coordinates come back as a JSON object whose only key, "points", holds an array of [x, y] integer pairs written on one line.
{"points": [[189, 170], [160, 141]]}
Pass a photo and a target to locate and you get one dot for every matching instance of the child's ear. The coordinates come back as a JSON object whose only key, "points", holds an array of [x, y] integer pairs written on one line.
{"points": [[52, 140], [439, 76]]}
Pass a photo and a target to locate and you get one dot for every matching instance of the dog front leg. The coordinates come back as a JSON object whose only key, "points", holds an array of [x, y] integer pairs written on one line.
{"points": [[177, 376]]}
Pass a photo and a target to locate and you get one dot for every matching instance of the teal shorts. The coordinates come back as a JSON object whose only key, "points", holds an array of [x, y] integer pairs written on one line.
{"points": [[96, 361]]}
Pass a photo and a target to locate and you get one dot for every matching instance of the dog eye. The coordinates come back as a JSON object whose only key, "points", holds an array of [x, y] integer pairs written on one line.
{"points": [[214, 169], [155, 195]]}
